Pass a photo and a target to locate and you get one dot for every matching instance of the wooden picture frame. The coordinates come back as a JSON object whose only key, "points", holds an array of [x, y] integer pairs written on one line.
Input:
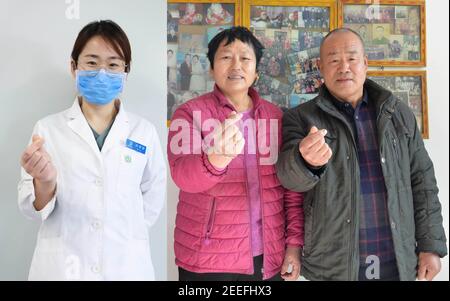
{"points": [[394, 31], [291, 32], [410, 87], [190, 26]]}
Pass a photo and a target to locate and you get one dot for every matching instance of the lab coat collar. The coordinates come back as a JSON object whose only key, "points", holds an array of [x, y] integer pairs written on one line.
{"points": [[117, 134], [75, 111]]}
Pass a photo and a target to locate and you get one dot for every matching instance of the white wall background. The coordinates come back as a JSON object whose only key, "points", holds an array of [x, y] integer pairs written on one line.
{"points": [[36, 42], [438, 110], [438, 105]]}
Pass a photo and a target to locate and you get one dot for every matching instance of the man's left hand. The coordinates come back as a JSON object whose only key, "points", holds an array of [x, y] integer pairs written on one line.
{"points": [[429, 266]]}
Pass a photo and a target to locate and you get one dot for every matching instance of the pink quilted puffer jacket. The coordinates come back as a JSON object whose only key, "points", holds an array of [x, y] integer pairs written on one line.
{"points": [[212, 231]]}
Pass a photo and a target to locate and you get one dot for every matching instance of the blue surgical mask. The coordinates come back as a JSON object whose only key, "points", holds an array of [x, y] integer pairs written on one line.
{"points": [[99, 87]]}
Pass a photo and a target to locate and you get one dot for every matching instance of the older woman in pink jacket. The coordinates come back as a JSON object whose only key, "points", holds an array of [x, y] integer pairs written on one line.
{"points": [[234, 219]]}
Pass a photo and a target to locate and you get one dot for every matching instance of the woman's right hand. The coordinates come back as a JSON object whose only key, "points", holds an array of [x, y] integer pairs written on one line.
{"points": [[37, 163], [228, 142]]}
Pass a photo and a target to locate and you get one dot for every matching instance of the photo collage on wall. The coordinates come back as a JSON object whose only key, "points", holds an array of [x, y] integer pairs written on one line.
{"points": [[390, 32], [393, 34], [190, 26], [408, 89], [288, 70]]}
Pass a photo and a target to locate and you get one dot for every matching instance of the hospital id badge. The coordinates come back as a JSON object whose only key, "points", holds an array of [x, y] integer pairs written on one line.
{"points": [[136, 146]]}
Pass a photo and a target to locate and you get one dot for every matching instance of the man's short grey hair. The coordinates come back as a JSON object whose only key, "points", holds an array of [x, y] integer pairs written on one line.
{"points": [[343, 29]]}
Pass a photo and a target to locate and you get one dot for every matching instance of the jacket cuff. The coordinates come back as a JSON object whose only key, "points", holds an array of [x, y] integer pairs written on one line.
{"points": [[26, 193], [294, 245], [432, 246], [48, 209], [303, 166], [211, 168], [317, 171]]}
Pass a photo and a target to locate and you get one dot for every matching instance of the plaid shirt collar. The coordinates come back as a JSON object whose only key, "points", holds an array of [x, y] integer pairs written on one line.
{"points": [[346, 106]]}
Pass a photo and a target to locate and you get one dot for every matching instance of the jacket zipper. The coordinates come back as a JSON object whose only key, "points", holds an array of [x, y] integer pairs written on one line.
{"points": [[263, 272], [396, 151], [250, 222], [353, 227], [210, 221], [250, 206]]}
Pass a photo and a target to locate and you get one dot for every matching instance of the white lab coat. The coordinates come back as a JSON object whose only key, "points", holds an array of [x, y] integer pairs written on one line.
{"points": [[96, 226]]}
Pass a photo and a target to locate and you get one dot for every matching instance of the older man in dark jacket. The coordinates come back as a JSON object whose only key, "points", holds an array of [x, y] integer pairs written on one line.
{"points": [[371, 205]]}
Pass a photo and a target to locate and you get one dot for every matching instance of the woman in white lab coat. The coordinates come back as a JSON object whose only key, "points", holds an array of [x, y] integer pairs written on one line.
{"points": [[94, 174]]}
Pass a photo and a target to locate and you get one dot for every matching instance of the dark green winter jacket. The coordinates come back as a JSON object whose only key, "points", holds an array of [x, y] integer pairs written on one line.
{"points": [[332, 196]]}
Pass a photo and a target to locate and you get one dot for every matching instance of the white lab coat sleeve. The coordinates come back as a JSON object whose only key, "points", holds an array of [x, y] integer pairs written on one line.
{"points": [[26, 195], [153, 185]]}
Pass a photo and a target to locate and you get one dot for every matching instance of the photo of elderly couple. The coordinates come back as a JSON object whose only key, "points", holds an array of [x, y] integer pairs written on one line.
{"points": [[329, 179]]}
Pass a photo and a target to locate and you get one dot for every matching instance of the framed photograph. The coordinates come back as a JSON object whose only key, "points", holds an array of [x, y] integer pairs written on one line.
{"points": [[190, 27], [291, 32], [409, 87], [393, 30]]}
